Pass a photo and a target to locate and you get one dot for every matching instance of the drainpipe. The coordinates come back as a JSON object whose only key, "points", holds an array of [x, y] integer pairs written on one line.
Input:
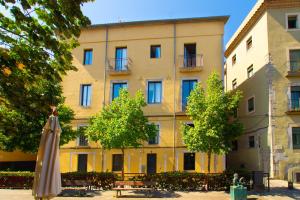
{"points": [[174, 90], [104, 85], [223, 82], [270, 129]]}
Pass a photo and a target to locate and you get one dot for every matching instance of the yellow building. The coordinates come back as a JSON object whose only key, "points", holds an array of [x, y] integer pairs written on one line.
{"points": [[164, 59], [263, 60]]}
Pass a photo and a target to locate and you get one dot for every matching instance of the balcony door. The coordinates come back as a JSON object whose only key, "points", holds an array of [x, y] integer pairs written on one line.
{"points": [[295, 97], [190, 55], [295, 60], [151, 163], [187, 87], [121, 59], [82, 162]]}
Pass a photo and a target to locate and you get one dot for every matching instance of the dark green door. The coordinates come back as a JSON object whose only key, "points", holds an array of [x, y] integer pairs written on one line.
{"points": [[151, 163], [82, 162]]}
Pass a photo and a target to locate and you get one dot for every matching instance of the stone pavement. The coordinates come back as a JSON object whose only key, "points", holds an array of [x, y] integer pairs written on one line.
{"points": [[278, 191]]}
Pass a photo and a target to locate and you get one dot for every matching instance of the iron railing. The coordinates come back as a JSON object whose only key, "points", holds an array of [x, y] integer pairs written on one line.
{"points": [[294, 105], [187, 61], [119, 64], [294, 65]]}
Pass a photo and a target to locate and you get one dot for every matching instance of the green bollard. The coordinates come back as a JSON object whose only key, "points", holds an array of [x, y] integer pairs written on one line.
{"points": [[238, 192]]}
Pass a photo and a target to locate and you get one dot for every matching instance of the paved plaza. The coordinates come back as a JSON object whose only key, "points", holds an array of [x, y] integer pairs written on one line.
{"points": [[278, 191]]}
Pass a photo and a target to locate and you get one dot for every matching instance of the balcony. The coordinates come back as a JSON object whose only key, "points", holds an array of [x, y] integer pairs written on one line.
{"points": [[294, 67], [119, 66], [190, 63], [293, 107]]}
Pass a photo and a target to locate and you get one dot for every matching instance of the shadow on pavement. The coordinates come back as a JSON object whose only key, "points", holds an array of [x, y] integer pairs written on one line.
{"points": [[152, 194], [279, 192], [79, 193]]}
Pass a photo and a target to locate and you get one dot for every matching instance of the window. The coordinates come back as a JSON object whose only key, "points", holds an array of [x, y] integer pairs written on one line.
{"points": [[82, 139], [189, 161], [250, 71], [121, 62], [155, 140], [189, 55], [234, 145], [116, 89], [233, 59], [155, 51], [85, 96], [234, 84], [187, 87], [88, 57], [295, 60], [82, 162], [295, 97], [250, 105], [249, 43], [293, 21], [190, 125], [251, 140], [154, 92], [296, 137], [117, 162], [235, 113]]}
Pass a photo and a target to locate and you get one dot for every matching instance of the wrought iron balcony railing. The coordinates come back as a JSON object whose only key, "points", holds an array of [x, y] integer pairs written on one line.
{"points": [[190, 62], [118, 66], [295, 65], [294, 105]]}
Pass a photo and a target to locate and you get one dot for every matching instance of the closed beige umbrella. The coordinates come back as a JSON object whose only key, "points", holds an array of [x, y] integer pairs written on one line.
{"points": [[47, 178]]}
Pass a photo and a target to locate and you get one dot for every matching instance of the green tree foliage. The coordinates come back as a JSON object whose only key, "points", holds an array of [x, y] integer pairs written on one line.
{"points": [[212, 113], [36, 39], [122, 124]]}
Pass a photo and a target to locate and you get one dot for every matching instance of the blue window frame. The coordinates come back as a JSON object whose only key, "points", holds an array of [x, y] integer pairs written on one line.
{"points": [[295, 97], [116, 89], [88, 57], [155, 140], [85, 96], [154, 92], [121, 59], [155, 51], [296, 137], [187, 87]]}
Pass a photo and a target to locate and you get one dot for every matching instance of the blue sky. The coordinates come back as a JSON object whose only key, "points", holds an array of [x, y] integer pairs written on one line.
{"points": [[107, 11]]}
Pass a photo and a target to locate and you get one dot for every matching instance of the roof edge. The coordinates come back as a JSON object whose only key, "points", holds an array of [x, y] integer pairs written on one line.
{"points": [[161, 21], [254, 15]]}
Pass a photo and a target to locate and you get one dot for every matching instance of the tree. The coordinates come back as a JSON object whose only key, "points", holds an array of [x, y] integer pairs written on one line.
{"points": [[36, 39], [211, 111], [122, 124]]}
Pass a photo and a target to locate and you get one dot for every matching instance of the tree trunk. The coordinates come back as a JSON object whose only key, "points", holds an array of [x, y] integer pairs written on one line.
{"points": [[123, 155], [208, 161]]}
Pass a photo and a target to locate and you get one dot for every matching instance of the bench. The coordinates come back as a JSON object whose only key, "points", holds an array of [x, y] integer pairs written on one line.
{"points": [[133, 185]]}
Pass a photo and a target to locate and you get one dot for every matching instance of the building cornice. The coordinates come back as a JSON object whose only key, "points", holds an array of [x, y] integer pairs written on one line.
{"points": [[223, 19], [265, 5]]}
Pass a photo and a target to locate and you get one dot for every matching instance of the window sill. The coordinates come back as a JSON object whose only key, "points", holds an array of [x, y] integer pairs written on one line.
{"points": [[293, 29], [86, 107], [249, 113], [190, 170], [154, 104]]}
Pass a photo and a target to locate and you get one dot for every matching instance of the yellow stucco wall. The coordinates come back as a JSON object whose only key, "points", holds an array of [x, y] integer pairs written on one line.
{"points": [[281, 40], [208, 36], [270, 57], [16, 156]]}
